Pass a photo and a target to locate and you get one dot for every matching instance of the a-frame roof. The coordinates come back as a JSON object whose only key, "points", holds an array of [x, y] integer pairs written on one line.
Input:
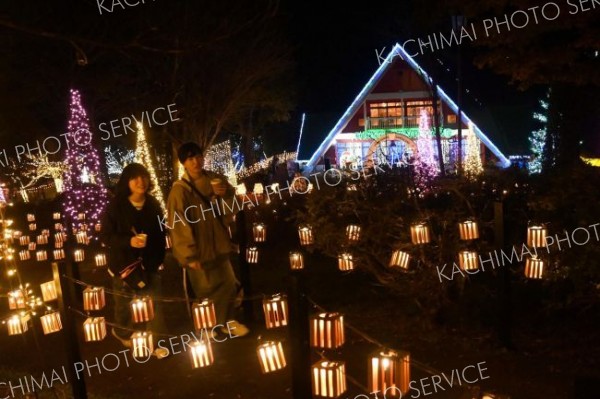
{"points": [[397, 50]]}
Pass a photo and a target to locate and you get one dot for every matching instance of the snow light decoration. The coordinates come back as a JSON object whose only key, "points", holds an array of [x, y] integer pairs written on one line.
{"points": [[536, 236], [400, 259], [93, 298], [270, 356], [534, 268], [327, 330], [82, 183], [345, 262], [94, 329], [259, 231], [468, 230], [142, 156], [143, 344], [389, 372], [329, 379], [51, 323], [276, 311], [353, 232], [17, 324], [296, 260], [419, 233], [467, 260], [142, 309], [204, 314], [201, 353], [305, 234]]}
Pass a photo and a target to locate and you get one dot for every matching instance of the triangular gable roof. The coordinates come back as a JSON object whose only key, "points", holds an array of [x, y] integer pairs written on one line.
{"points": [[360, 98]]}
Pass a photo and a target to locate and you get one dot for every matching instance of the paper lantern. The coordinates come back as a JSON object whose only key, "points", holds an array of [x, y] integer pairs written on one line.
{"points": [[467, 260], [536, 236], [168, 243], [259, 230], [143, 344], [81, 237], [58, 226], [24, 240], [17, 324], [252, 255], [100, 259], [16, 299], [98, 227], [79, 255], [46, 232], [81, 216], [327, 330], [240, 189], [17, 234], [32, 226], [41, 255], [142, 309], [94, 329], [30, 217], [345, 262], [24, 255], [201, 353], [60, 237], [389, 373], [400, 259], [93, 298], [276, 311], [534, 268], [204, 314], [353, 232], [270, 356], [419, 233], [51, 323], [468, 230], [42, 239], [329, 379], [59, 254], [32, 246], [296, 261], [49, 291], [306, 235], [258, 188], [56, 216]]}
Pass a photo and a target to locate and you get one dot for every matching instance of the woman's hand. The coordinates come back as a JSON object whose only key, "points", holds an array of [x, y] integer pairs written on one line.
{"points": [[136, 242]]}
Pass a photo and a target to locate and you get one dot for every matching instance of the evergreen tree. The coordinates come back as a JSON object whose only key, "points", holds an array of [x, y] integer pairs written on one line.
{"points": [[142, 156]]}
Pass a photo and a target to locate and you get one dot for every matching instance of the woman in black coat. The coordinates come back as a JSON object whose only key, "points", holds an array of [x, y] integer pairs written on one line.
{"points": [[131, 230]]}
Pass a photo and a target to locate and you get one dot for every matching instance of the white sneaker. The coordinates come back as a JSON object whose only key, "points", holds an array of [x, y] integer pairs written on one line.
{"points": [[235, 329], [160, 353]]}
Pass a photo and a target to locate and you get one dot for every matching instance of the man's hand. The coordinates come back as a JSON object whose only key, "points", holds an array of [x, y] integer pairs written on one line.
{"points": [[195, 265]]}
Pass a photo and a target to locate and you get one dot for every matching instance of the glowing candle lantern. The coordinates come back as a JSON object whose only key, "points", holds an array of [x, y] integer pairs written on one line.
{"points": [[258, 188], [56, 216], [60, 237], [259, 230], [142, 309], [329, 379], [81, 216], [252, 255], [296, 261], [94, 329], [204, 314], [17, 324], [310, 188], [17, 234], [93, 298], [240, 189], [534, 268], [353, 232], [276, 311], [41, 255], [16, 299], [327, 330], [98, 227], [400, 259], [58, 226], [419, 233], [536, 236], [389, 372], [306, 235], [24, 240], [100, 259], [79, 255], [46, 232], [58, 254], [345, 262], [201, 353], [42, 239], [467, 260], [270, 356], [168, 243], [143, 344], [468, 230], [31, 246], [24, 255], [51, 323], [30, 217], [49, 291], [32, 226], [81, 237]]}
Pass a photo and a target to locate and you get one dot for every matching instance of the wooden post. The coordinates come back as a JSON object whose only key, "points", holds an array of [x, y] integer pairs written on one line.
{"points": [[299, 336]]}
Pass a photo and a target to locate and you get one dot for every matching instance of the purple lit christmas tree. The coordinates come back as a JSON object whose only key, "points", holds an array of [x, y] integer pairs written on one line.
{"points": [[426, 166], [85, 197]]}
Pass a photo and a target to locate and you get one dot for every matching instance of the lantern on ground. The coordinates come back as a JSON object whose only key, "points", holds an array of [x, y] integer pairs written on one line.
{"points": [[168, 243], [17, 234], [49, 291], [345, 262], [240, 189], [306, 235], [17, 324], [467, 260], [30, 217], [42, 239], [534, 268], [296, 261], [142, 309], [24, 255], [32, 226], [468, 230], [276, 311], [46, 233], [51, 323], [252, 255], [79, 255], [60, 237], [98, 227], [59, 254], [94, 329], [16, 299], [327, 330], [536, 236], [100, 259], [143, 344], [270, 356], [81, 237], [201, 353], [204, 314], [419, 233], [81, 216], [56, 216], [259, 231], [58, 226], [31, 246], [389, 372], [329, 379], [24, 240], [258, 189], [93, 298], [41, 255], [400, 259], [353, 232]]}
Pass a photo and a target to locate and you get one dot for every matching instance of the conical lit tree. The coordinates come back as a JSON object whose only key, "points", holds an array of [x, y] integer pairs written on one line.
{"points": [[537, 138], [84, 191], [142, 155], [472, 164], [425, 166]]}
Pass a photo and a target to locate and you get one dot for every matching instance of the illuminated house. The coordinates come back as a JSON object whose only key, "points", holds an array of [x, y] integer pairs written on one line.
{"points": [[382, 123]]}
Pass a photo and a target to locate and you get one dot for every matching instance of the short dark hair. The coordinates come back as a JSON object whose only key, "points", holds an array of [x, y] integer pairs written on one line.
{"points": [[188, 150], [130, 172]]}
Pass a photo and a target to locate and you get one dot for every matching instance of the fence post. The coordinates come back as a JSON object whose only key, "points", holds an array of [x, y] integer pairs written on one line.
{"points": [[299, 336]]}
